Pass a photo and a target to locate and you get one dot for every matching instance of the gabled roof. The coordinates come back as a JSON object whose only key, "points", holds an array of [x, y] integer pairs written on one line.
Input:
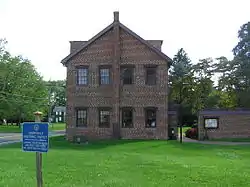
{"points": [[59, 109], [108, 28]]}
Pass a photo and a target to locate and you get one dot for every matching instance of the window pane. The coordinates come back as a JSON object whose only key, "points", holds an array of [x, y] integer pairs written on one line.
{"points": [[83, 72], [104, 118], [150, 117], [127, 75], [104, 72], [127, 118], [104, 76], [104, 80], [82, 75], [82, 80], [151, 76], [81, 118]]}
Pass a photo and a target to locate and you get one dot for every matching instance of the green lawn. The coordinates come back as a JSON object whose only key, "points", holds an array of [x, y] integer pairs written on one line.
{"points": [[128, 164], [12, 128]]}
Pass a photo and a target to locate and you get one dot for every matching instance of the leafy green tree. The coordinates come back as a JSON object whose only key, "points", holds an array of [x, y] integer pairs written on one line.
{"points": [[180, 76], [57, 90], [234, 81], [203, 85], [22, 89]]}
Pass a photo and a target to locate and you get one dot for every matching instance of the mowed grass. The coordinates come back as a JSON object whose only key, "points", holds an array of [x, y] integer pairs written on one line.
{"points": [[127, 163], [16, 129]]}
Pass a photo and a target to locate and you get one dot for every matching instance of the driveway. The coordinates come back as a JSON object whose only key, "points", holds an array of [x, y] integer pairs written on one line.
{"points": [[7, 138]]}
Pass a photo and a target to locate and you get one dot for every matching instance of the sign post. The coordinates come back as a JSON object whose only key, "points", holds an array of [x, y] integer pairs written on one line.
{"points": [[36, 139]]}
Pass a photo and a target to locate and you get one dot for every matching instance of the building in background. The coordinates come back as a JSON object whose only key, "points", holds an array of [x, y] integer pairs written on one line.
{"points": [[58, 115]]}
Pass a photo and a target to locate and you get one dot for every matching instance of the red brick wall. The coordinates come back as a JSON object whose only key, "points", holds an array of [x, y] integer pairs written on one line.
{"points": [[231, 125], [137, 96], [140, 95]]}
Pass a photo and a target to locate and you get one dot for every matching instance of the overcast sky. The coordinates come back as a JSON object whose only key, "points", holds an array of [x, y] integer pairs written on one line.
{"points": [[40, 30]]}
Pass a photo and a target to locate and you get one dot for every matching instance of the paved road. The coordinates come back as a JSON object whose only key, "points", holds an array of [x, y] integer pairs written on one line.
{"points": [[6, 138]]}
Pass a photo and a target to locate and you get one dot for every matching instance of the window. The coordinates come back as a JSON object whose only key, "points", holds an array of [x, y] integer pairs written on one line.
{"points": [[211, 123], [150, 117], [127, 117], [60, 119], [82, 76], [59, 113], [104, 75], [150, 75], [127, 75], [56, 113], [104, 117], [81, 117]]}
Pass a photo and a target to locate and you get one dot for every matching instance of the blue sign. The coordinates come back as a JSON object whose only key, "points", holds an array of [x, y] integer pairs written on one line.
{"points": [[35, 137]]}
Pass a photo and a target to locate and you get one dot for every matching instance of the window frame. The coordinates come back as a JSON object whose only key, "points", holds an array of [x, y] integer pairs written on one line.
{"points": [[122, 116], [130, 67], [146, 116], [101, 125], [211, 117], [150, 67], [109, 67], [77, 118], [86, 76]]}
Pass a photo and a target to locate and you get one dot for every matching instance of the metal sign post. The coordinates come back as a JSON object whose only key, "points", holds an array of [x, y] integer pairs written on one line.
{"points": [[36, 139], [180, 133]]}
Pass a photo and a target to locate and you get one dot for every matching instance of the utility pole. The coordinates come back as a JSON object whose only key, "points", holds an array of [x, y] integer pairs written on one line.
{"points": [[49, 108]]}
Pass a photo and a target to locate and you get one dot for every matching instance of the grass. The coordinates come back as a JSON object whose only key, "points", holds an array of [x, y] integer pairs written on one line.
{"points": [[16, 129], [232, 139], [127, 163]]}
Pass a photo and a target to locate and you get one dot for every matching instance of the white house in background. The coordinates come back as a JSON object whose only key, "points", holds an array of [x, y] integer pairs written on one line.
{"points": [[59, 113]]}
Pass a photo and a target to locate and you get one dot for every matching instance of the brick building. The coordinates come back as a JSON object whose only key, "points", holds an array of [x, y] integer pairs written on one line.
{"points": [[216, 124], [117, 86]]}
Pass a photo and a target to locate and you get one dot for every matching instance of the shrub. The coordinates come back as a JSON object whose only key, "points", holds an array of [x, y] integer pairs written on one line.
{"points": [[192, 133]]}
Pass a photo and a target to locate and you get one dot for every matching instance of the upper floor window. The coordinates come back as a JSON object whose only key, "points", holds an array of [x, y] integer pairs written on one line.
{"points": [[82, 75], [127, 117], [81, 117], [127, 75], [104, 75], [150, 117], [150, 75]]}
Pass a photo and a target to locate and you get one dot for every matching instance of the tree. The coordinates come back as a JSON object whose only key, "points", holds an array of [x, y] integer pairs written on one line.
{"points": [[203, 72], [181, 85], [57, 91], [22, 90], [180, 76], [242, 49], [242, 73], [234, 81]]}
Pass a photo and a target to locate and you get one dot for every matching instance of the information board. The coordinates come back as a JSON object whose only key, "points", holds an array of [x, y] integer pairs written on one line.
{"points": [[35, 137]]}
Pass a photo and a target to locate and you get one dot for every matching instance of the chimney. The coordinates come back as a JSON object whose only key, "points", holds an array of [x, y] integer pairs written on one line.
{"points": [[156, 43], [74, 45], [116, 16]]}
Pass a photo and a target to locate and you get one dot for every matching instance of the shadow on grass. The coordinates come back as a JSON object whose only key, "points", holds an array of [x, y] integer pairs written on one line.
{"points": [[60, 143]]}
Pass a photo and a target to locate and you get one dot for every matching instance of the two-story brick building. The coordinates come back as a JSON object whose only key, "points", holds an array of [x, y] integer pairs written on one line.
{"points": [[117, 86]]}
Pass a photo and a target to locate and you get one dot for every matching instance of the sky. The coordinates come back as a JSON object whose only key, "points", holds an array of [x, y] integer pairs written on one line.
{"points": [[40, 30]]}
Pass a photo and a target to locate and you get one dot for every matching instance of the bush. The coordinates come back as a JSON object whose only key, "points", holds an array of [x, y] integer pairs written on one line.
{"points": [[192, 133]]}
